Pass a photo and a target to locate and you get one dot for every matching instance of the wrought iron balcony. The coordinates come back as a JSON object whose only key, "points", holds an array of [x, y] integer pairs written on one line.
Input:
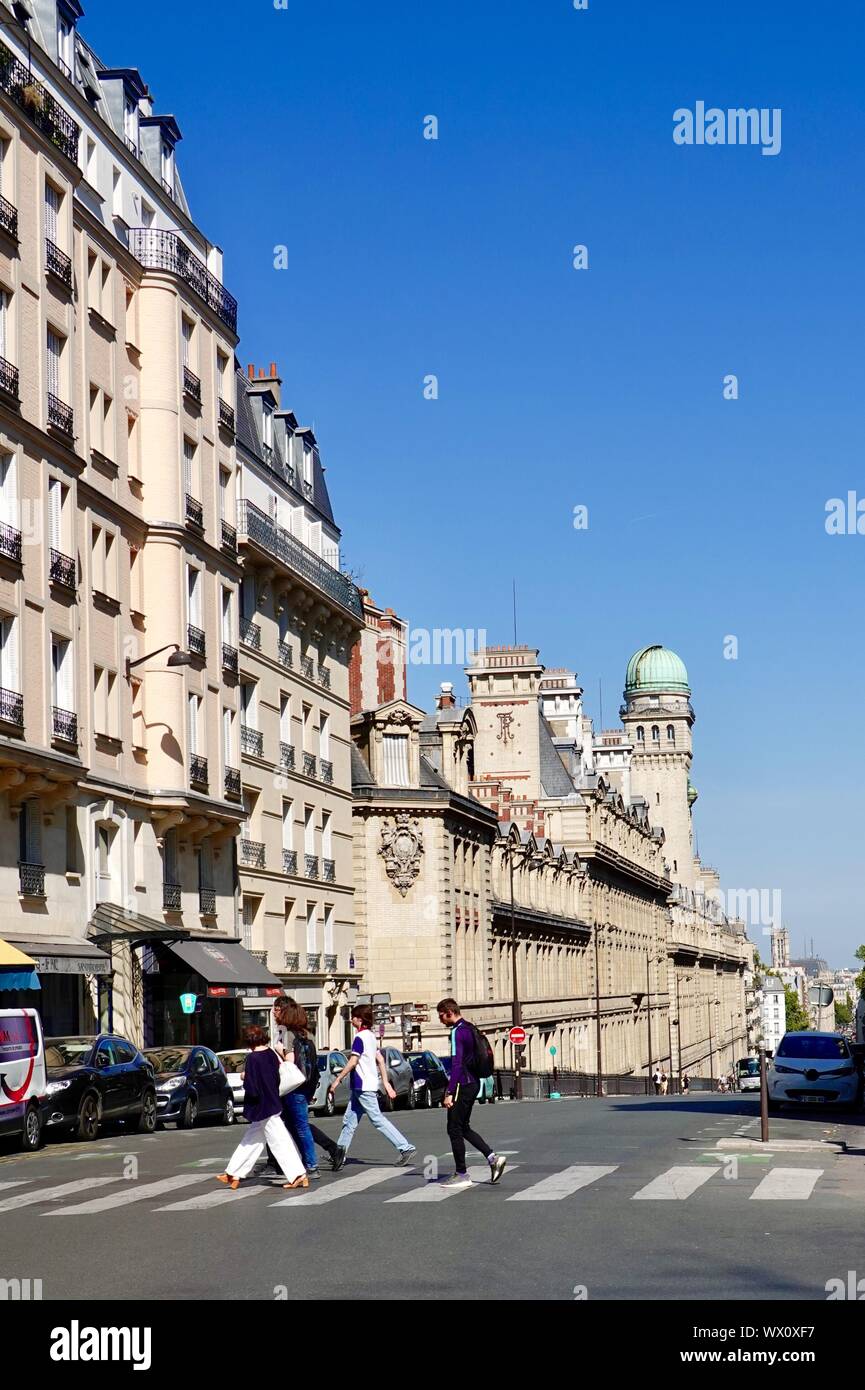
{"points": [[264, 532], [172, 897], [11, 708], [252, 853], [207, 902], [196, 642], [310, 864], [286, 756], [191, 385], [64, 725], [157, 250], [169, 187], [194, 512], [292, 961], [327, 772], [307, 488], [330, 964], [31, 880], [260, 956], [61, 569], [60, 415], [229, 658], [289, 861], [306, 667], [229, 538], [10, 543], [9, 218], [324, 677], [309, 764], [40, 106], [132, 146], [250, 634], [64, 67], [286, 656], [232, 781], [226, 415], [8, 379], [329, 870], [198, 770], [57, 263], [251, 741], [313, 962]]}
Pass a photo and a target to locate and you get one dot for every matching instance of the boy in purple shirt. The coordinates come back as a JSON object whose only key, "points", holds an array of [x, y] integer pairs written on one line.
{"points": [[462, 1092]]}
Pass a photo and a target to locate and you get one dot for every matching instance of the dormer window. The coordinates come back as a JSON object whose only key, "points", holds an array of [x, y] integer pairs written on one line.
{"points": [[395, 750], [307, 465], [167, 168], [65, 31], [267, 427], [130, 125], [23, 15]]}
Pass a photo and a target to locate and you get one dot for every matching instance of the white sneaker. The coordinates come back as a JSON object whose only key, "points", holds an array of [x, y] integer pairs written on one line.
{"points": [[457, 1180]]}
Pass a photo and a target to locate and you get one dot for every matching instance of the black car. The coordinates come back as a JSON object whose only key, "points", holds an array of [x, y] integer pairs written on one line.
{"points": [[427, 1067], [191, 1084], [92, 1079]]}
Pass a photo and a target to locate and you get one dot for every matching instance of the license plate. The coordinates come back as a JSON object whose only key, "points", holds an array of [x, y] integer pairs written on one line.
{"points": [[814, 1100]]}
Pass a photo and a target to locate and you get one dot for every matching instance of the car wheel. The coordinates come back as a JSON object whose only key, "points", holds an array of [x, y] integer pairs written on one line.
{"points": [[146, 1122], [189, 1114], [427, 1098], [411, 1099], [87, 1124], [228, 1111], [329, 1103], [33, 1132]]}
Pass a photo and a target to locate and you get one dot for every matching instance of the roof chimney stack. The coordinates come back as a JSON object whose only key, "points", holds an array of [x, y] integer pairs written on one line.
{"points": [[445, 698]]}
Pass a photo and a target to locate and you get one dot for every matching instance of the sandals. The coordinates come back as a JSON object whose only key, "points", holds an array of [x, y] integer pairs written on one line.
{"points": [[302, 1181], [233, 1183]]}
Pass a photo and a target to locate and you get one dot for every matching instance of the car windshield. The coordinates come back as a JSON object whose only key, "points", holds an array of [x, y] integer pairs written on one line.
{"points": [[165, 1059], [67, 1052], [749, 1066], [234, 1061], [812, 1045]]}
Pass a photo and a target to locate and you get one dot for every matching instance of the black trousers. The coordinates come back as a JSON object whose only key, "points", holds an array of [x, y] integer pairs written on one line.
{"points": [[459, 1128]]}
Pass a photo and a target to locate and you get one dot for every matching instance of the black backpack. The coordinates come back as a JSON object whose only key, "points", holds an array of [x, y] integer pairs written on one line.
{"points": [[483, 1064], [306, 1057]]}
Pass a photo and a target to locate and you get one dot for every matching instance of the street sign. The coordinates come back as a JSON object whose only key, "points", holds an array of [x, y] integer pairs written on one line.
{"points": [[517, 1035], [187, 1003], [553, 1051]]}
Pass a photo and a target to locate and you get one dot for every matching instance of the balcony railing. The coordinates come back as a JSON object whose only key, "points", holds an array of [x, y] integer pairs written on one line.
{"points": [[157, 250], [196, 641], [229, 658], [250, 634], [57, 263], [260, 956], [45, 113], [169, 187], [194, 512], [10, 543], [11, 707], [8, 378], [292, 961], [329, 870], [252, 854], [286, 656], [207, 902], [306, 667], [310, 864], [229, 538], [198, 770], [172, 896], [324, 677], [226, 415], [60, 415], [289, 861], [286, 756], [31, 880], [61, 569], [327, 772], [264, 532], [313, 962], [9, 218], [64, 725], [232, 781], [251, 741], [309, 764], [132, 146], [330, 964], [191, 385]]}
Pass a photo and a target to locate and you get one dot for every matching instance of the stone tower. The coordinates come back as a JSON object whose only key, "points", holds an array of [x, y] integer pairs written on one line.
{"points": [[658, 717]]}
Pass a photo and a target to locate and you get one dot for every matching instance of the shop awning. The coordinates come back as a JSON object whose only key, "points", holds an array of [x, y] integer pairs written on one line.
{"points": [[68, 955], [228, 968], [17, 970]]}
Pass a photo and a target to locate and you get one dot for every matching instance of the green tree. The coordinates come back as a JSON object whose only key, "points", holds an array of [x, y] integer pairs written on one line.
{"points": [[843, 1015], [860, 978], [797, 1019]]}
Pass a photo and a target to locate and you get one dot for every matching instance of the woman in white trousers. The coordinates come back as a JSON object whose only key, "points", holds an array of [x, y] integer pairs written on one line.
{"points": [[262, 1107]]}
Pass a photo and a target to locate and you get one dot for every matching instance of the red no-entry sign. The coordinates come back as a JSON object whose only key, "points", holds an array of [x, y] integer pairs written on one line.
{"points": [[517, 1035]]}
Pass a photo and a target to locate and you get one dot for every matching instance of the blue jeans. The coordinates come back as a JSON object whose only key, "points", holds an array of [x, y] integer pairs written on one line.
{"points": [[366, 1103], [295, 1113]]}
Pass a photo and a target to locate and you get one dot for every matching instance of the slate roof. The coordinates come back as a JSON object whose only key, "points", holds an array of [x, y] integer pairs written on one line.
{"points": [[554, 778], [360, 773]]}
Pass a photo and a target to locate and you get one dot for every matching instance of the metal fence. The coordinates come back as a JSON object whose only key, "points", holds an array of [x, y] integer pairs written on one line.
{"points": [[539, 1085]]}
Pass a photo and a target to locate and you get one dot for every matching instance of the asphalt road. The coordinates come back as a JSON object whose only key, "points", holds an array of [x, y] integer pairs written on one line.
{"points": [[604, 1199]]}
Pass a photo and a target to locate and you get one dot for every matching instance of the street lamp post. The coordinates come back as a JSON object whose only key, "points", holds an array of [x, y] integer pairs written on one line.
{"points": [[649, 1018], [516, 1010], [599, 1085]]}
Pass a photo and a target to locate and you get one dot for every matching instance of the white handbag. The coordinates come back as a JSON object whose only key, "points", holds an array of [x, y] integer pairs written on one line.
{"points": [[290, 1075]]}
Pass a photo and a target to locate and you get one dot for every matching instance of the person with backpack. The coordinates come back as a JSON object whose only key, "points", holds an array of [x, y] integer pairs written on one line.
{"points": [[472, 1060], [365, 1066], [293, 1039]]}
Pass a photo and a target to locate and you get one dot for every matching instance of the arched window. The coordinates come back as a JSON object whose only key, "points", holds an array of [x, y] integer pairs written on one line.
{"points": [[641, 734], [671, 734], [656, 734]]}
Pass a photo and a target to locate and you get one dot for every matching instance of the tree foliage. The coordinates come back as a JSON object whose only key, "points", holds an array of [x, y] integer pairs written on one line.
{"points": [[797, 1020]]}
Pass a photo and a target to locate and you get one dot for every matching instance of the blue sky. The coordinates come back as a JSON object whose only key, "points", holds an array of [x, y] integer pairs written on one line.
{"points": [[557, 387]]}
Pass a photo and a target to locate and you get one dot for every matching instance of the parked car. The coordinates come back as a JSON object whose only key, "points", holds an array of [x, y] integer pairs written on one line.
{"points": [[22, 1077], [813, 1069], [428, 1070], [93, 1079], [329, 1063], [233, 1064], [486, 1084], [401, 1079], [191, 1084]]}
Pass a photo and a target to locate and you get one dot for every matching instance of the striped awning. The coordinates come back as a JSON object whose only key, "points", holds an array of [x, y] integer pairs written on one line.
{"points": [[17, 971]]}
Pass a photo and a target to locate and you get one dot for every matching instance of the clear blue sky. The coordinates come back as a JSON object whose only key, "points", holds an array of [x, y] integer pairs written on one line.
{"points": [[561, 387]]}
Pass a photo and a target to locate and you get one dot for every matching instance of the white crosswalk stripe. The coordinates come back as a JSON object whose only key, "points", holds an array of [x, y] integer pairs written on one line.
{"points": [[343, 1187], [674, 1185], [559, 1185], [439, 1191], [16, 1182], [133, 1192], [787, 1185], [54, 1194], [205, 1200]]}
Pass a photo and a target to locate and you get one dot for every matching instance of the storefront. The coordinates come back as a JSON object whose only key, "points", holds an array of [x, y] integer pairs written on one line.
{"points": [[221, 975], [69, 971]]}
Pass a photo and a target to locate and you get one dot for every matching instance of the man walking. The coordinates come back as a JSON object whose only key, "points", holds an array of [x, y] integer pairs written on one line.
{"points": [[365, 1066], [462, 1092]]}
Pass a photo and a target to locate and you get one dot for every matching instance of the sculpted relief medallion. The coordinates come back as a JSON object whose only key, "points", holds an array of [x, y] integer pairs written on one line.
{"points": [[401, 848]]}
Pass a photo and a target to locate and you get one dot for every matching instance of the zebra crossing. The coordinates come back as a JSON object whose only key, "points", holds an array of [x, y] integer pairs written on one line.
{"points": [[102, 1193]]}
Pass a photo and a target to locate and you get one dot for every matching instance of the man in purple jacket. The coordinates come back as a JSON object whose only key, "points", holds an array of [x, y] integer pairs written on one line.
{"points": [[462, 1092]]}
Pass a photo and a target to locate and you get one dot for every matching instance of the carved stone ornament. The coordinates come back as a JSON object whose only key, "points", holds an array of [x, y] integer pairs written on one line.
{"points": [[401, 847]]}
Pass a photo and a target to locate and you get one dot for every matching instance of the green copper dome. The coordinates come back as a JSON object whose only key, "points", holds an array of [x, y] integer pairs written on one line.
{"points": [[655, 669], [692, 793]]}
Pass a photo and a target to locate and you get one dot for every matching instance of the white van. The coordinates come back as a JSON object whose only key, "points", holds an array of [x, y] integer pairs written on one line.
{"points": [[22, 1077]]}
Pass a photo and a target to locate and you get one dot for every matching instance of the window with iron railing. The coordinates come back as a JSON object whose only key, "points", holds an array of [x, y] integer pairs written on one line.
{"points": [[31, 880], [292, 961], [313, 962], [171, 897], [9, 379], [191, 385], [311, 865], [10, 543], [198, 770], [58, 264], [286, 756], [252, 853], [327, 772], [226, 415], [309, 763], [196, 640], [8, 219], [286, 656], [158, 250], [329, 870], [194, 512], [232, 781], [207, 902], [229, 538], [250, 634], [229, 658], [61, 569], [18, 82], [266, 533], [64, 725], [60, 415], [11, 707], [251, 741], [330, 964], [289, 861]]}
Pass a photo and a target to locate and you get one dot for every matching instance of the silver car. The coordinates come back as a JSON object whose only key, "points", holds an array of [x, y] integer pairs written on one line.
{"points": [[322, 1103], [813, 1069]]}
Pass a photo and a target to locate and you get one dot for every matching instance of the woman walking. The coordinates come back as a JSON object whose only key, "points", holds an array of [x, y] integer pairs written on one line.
{"points": [[293, 1036], [262, 1107]]}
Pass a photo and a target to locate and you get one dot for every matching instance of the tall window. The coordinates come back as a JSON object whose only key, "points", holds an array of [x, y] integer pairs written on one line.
{"points": [[168, 166], [328, 929], [9, 513], [9, 673], [285, 718], [309, 830], [227, 617], [190, 469], [186, 332], [194, 725], [307, 465], [641, 734], [193, 583], [169, 858], [228, 737], [53, 200], [249, 704], [267, 427], [130, 122], [395, 760], [326, 835], [656, 734], [5, 349], [287, 825], [58, 494], [248, 597], [225, 510], [55, 346], [671, 734], [62, 685], [64, 44], [324, 736], [30, 832], [311, 931], [105, 720]]}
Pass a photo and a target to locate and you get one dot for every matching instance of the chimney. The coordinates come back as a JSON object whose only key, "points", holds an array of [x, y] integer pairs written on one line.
{"points": [[261, 381], [445, 698]]}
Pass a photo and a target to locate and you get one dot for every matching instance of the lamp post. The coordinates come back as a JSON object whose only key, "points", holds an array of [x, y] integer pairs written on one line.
{"points": [[648, 1018], [516, 1010], [599, 1085], [177, 658]]}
